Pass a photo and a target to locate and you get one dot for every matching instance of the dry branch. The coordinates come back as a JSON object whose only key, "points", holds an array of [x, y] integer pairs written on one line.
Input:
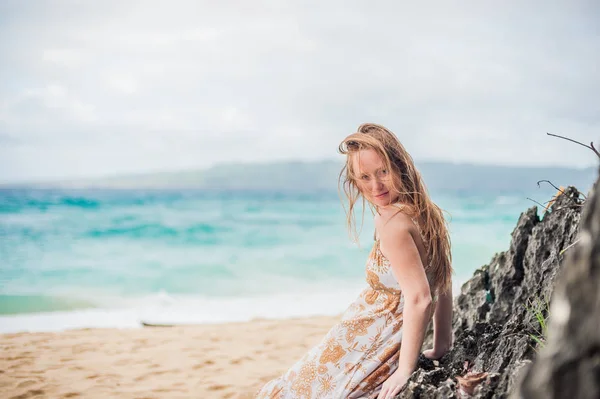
{"points": [[591, 146]]}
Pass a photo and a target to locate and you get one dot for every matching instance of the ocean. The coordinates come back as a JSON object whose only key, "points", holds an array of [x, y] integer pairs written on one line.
{"points": [[116, 258]]}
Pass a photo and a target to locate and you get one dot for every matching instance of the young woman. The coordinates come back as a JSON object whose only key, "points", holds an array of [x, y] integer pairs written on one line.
{"points": [[373, 350]]}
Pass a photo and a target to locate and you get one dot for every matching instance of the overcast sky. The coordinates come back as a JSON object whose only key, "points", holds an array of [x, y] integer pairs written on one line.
{"points": [[91, 88]]}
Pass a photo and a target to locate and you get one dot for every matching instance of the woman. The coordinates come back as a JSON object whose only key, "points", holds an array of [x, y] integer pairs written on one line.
{"points": [[374, 349]]}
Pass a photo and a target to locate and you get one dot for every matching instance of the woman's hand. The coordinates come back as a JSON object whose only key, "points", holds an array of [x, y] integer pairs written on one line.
{"points": [[435, 353], [392, 386]]}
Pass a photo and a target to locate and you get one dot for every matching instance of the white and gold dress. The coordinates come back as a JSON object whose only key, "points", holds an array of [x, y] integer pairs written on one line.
{"points": [[359, 353]]}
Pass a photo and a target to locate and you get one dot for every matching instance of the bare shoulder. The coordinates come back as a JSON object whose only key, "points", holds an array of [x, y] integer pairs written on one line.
{"points": [[393, 223]]}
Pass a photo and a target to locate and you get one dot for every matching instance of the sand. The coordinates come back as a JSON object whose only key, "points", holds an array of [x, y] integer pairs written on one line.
{"points": [[207, 361]]}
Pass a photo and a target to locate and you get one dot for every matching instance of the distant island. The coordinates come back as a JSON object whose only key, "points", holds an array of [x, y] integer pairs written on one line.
{"points": [[323, 175]]}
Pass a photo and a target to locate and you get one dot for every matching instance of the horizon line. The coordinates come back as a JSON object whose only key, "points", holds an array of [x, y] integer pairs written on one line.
{"points": [[49, 180]]}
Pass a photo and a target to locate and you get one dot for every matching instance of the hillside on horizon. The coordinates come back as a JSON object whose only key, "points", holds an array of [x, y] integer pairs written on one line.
{"points": [[323, 175]]}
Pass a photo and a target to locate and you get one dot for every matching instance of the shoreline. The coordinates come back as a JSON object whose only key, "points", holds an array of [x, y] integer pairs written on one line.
{"points": [[224, 360], [191, 312]]}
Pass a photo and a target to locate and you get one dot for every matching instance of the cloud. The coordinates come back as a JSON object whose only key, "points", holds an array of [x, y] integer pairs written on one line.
{"points": [[151, 85], [61, 57], [122, 84]]}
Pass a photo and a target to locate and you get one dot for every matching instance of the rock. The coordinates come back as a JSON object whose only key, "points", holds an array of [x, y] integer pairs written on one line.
{"points": [[493, 322], [569, 364]]}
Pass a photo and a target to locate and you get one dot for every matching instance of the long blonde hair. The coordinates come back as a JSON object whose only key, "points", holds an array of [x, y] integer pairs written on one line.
{"points": [[407, 182]]}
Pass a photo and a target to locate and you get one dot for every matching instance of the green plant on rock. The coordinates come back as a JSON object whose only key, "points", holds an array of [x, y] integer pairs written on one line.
{"points": [[539, 309]]}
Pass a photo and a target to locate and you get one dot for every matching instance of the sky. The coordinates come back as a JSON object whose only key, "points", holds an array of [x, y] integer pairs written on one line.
{"points": [[113, 87]]}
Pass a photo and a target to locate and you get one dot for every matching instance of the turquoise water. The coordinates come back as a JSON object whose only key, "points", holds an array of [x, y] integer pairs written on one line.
{"points": [[204, 256]]}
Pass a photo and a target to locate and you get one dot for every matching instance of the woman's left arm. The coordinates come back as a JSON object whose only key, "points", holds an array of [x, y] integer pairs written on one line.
{"points": [[400, 249], [442, 326]]}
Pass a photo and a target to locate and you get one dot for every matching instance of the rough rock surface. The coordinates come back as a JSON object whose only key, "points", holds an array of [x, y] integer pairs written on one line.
{"points": [[494, 325], [569, 365]]}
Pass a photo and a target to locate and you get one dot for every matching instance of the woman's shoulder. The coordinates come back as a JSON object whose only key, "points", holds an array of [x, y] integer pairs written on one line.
{"points": [[397, 213], [395, 219]]}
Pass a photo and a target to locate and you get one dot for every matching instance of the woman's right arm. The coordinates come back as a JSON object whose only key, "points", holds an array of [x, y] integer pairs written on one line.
{"points": [[442, 327]]}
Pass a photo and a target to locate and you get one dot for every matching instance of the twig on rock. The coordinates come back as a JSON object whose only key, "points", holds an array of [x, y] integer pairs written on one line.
{"points": [[573, 244], [559, 189], [558, 194], [542, 205], [550, 183]]}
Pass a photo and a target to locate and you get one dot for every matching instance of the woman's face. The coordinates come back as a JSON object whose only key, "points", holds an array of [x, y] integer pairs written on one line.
{"points": [[372, 178]]}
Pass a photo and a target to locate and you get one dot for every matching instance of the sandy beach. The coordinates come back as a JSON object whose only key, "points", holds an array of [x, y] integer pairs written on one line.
{"points": [[208, 361]]}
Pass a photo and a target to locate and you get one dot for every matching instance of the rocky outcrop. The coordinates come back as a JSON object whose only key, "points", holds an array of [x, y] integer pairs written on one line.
{"points": [[495, 325], [569, 364]]}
